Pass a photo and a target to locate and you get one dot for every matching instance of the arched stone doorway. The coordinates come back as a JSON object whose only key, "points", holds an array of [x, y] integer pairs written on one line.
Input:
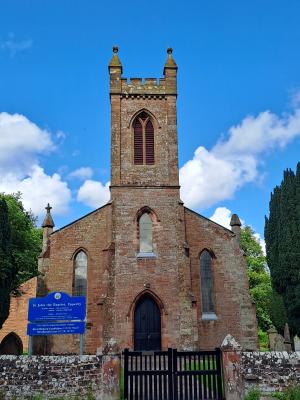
{"points": [[11, 344], [147, 324]]}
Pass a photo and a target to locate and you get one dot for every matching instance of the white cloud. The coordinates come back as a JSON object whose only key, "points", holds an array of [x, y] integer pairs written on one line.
{"points": [[222, 216], [215, 175], [61, 135], [13, 46], [295, 98], [93, 193], [21, 144], [38, 189], [82, 173], [261, 241]]}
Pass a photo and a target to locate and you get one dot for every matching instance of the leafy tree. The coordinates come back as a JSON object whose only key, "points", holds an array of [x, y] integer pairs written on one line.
{"points": [[269, 307], [282, 234], [252, 249], [20, 243], [259, 279]]}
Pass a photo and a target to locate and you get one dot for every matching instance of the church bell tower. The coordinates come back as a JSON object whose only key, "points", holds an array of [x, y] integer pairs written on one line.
{"points": [[143, 127], [151, 305]]}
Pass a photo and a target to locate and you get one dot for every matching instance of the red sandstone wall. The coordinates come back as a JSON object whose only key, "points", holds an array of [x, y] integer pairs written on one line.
{"points": [[128, 100], [234, 308], [167, 275], [154, 186], [17, 320], [91, 234]]}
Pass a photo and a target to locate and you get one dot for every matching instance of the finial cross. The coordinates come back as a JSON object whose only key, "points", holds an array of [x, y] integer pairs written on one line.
{"points": [[48, 208]]}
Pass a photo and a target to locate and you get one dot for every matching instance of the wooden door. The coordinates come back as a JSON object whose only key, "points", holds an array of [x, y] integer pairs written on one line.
{"points": [[147, 334]]}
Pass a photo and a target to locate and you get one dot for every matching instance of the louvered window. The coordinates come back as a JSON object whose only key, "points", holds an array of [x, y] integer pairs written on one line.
{"points": [[80, 274], [206, 282], [149, 139], [143, 140], [138, 142]]}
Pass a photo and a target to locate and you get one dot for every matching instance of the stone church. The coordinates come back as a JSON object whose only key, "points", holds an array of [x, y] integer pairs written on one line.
{"points": [[155, 273]]}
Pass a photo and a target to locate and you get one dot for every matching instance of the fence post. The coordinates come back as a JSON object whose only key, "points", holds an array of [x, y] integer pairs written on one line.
{"points": [[170, 372], [232, 369], [126, 351], [111, 368], [219, 376]]}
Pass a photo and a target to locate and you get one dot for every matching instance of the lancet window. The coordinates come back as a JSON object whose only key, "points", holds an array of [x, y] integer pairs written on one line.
{"points": [[143, 140]]}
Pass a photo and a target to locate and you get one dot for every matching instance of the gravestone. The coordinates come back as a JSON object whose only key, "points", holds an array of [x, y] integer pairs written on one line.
{"points": [[276, 341], [297, 343], [287, 338]]}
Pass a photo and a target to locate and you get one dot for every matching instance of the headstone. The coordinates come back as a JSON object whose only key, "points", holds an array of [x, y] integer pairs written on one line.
{"points": [[297, 343], [272, 332], [279, 344], [287, 338], [276, 341]]}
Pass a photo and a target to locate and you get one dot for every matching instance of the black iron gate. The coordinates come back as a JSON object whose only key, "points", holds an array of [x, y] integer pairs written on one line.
{"points": [[172, 375]]}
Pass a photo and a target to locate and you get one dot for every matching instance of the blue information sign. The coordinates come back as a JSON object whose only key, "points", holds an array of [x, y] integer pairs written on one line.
{"points": [[57, 306], [55, 328]]}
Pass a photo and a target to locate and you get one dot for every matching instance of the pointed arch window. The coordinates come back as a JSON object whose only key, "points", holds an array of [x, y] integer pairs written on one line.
{"points": [[145, 228], [207, 286], [143, 140], [80, 274]]}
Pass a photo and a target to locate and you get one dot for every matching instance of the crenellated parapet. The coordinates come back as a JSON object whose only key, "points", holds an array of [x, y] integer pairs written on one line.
{"points": [[143, 87]]}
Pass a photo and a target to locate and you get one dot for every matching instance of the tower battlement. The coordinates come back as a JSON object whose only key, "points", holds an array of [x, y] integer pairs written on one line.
{"points": [[145, 87]]}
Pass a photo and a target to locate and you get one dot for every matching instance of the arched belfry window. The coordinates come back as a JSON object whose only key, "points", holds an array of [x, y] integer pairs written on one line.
{"points": [[207, 286], [80, 274], [145, 230], [143, 140]]}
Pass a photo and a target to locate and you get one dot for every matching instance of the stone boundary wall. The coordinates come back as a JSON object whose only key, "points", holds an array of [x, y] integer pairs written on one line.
{"points": [[57, 376], [270, 371]]}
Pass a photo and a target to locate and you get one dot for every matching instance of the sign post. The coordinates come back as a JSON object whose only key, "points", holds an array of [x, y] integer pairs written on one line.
{"points": [[81, 344], [56, 314], [30, 346]]}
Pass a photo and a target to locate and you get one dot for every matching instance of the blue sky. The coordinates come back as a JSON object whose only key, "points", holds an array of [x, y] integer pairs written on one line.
{"points": [[238, 85]]}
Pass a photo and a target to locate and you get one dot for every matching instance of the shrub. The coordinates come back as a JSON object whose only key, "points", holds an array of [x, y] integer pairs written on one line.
{"points": [[263, 340], [253, 394], [293, 393]]}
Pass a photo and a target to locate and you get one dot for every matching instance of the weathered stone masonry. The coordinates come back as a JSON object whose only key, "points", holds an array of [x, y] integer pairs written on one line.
{"points": [[269, 372], [58, 376]]}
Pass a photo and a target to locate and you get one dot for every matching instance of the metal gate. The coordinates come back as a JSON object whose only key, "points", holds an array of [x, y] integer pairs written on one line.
{"points": [[172, 375]]}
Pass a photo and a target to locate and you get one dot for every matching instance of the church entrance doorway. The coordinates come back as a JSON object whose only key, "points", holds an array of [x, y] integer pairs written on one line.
{"points": [[147, 323]]}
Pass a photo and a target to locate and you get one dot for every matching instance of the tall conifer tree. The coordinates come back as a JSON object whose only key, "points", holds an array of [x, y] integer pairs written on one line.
{"points": [[282, 235], [6, 262]]}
